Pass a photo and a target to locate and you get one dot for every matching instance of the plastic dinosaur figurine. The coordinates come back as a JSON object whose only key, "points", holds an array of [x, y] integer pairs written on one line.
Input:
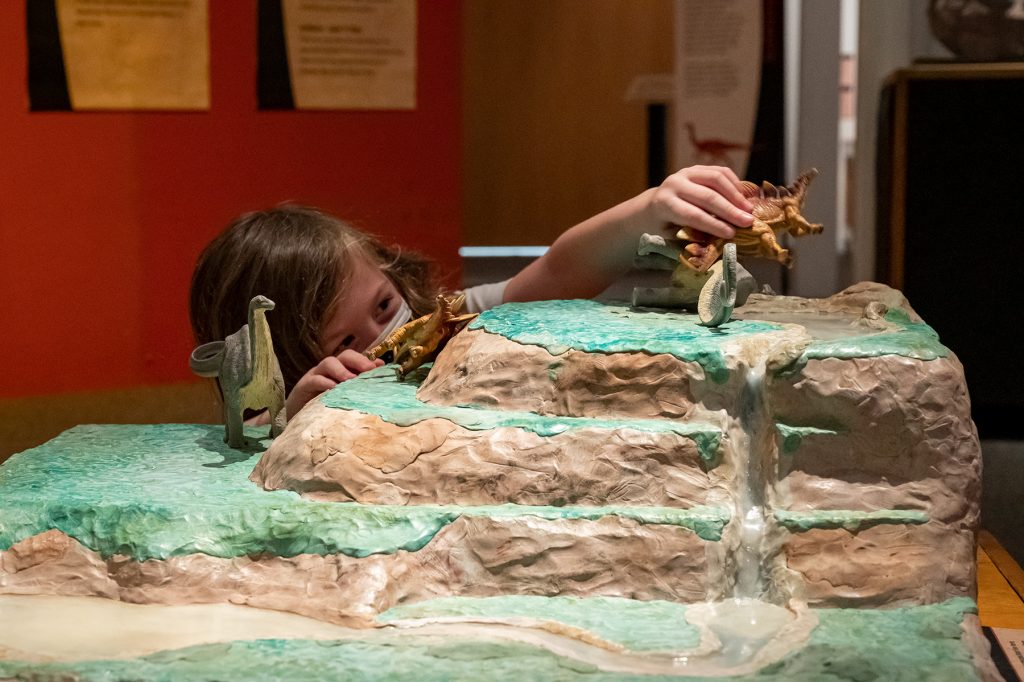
{"points": [[691, 289], [776, 209], [718, 295], [250, 377], [413, 344], [692, 254]]}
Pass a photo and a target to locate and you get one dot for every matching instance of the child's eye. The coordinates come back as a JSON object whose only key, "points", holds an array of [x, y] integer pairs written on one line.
{"points": [[345, 343], [383, 305]]}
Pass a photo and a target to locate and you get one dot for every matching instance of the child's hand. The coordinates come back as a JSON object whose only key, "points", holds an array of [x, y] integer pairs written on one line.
{"points": [[329, 373], [703, 198]]}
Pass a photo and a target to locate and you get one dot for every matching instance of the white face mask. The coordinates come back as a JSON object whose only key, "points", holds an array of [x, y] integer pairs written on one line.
{"points": [[402, 315]]}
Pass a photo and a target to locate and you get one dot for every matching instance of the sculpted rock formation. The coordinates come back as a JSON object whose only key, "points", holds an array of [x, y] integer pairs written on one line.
{"points": [[797, 467], [841, 425]]}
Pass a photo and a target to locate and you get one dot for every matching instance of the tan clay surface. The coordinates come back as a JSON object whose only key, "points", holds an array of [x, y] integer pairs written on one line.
{"points": [[472, 557], [337, 455]]}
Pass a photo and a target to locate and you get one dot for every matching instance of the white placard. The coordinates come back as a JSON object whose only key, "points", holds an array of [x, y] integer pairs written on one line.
{"points": [[1012, 643], [136, 54], [351, 54], [718, 81]]}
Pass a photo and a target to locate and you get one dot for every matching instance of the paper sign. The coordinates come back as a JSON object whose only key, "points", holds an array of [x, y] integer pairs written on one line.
{"points": [[136, 54], [718, 72], [1012, 644], [351, 54]]}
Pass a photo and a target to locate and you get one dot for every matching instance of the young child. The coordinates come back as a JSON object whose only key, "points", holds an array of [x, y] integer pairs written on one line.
{"points": [[340, 291]]}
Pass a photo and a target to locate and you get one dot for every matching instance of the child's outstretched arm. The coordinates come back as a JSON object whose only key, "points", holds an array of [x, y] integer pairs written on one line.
{"points": [[587, 258]]}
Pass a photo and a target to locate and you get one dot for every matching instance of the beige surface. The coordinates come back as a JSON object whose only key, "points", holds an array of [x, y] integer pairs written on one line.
{"points": [[51, 628], [83, 628]]}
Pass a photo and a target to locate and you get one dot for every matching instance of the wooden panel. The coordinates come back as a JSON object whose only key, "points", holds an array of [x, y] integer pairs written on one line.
{"points": [[1000, 581], [549, 138], [894, 137], [28, 422], [950, 139]]}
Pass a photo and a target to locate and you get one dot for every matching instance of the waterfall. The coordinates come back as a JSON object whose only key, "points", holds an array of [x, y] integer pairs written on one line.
{"points": [[753, 436]]}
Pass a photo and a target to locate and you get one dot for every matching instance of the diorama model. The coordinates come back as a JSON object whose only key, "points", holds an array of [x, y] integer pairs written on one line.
{"points": [[729, 485]]}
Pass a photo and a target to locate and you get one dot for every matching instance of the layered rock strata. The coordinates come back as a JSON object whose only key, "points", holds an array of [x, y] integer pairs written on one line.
{"points": [[839, 427], [813, 452], [193, 529]]}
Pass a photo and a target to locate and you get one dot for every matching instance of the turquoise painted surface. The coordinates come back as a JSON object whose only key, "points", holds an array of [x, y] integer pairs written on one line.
{"points": [[637, 625], [914, 340], [895, 645], [898, 645], [380, 392], [154, 491], [793, 436], [595, 327], [798, 522]]}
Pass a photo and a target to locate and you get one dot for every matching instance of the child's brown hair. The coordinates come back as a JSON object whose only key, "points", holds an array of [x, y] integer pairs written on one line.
{"points": [[299, 257]]}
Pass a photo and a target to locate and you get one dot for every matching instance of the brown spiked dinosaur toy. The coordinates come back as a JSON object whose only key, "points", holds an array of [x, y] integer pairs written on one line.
{"points": [[776, 209], [692, 254]]}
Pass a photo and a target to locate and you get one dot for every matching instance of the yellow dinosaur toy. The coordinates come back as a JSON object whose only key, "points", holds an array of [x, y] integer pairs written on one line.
{"points": [[412, 344]]}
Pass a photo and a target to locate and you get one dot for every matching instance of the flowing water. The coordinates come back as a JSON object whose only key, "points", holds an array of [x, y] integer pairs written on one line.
{"points": [[751, 436]]}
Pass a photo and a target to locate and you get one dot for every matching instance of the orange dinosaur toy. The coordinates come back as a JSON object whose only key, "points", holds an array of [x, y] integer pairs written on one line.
{"points": [[418, 341], [776, 209]]}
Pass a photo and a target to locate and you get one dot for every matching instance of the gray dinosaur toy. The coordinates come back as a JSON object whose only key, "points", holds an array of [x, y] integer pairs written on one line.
{"points": [[712, 294], [250, 377], [718, 295]]}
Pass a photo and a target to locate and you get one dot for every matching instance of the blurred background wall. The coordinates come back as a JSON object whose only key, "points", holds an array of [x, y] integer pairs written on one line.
{"points": [[102, 215]]}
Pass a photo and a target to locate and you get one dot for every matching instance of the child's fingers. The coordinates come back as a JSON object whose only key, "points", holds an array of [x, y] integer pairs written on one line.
{"points": [[710, 198], [333, 368], [713, 202], [725, 183], [705, 198], [685, 213], [357, 362], [315, 384], [730, 174]]}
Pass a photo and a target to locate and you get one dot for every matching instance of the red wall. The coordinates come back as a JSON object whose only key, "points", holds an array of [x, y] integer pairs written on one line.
{"points": [[102, 215]]}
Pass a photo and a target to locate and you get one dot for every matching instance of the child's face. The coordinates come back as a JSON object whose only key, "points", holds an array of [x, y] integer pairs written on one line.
{"points": [[364, 308]]}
